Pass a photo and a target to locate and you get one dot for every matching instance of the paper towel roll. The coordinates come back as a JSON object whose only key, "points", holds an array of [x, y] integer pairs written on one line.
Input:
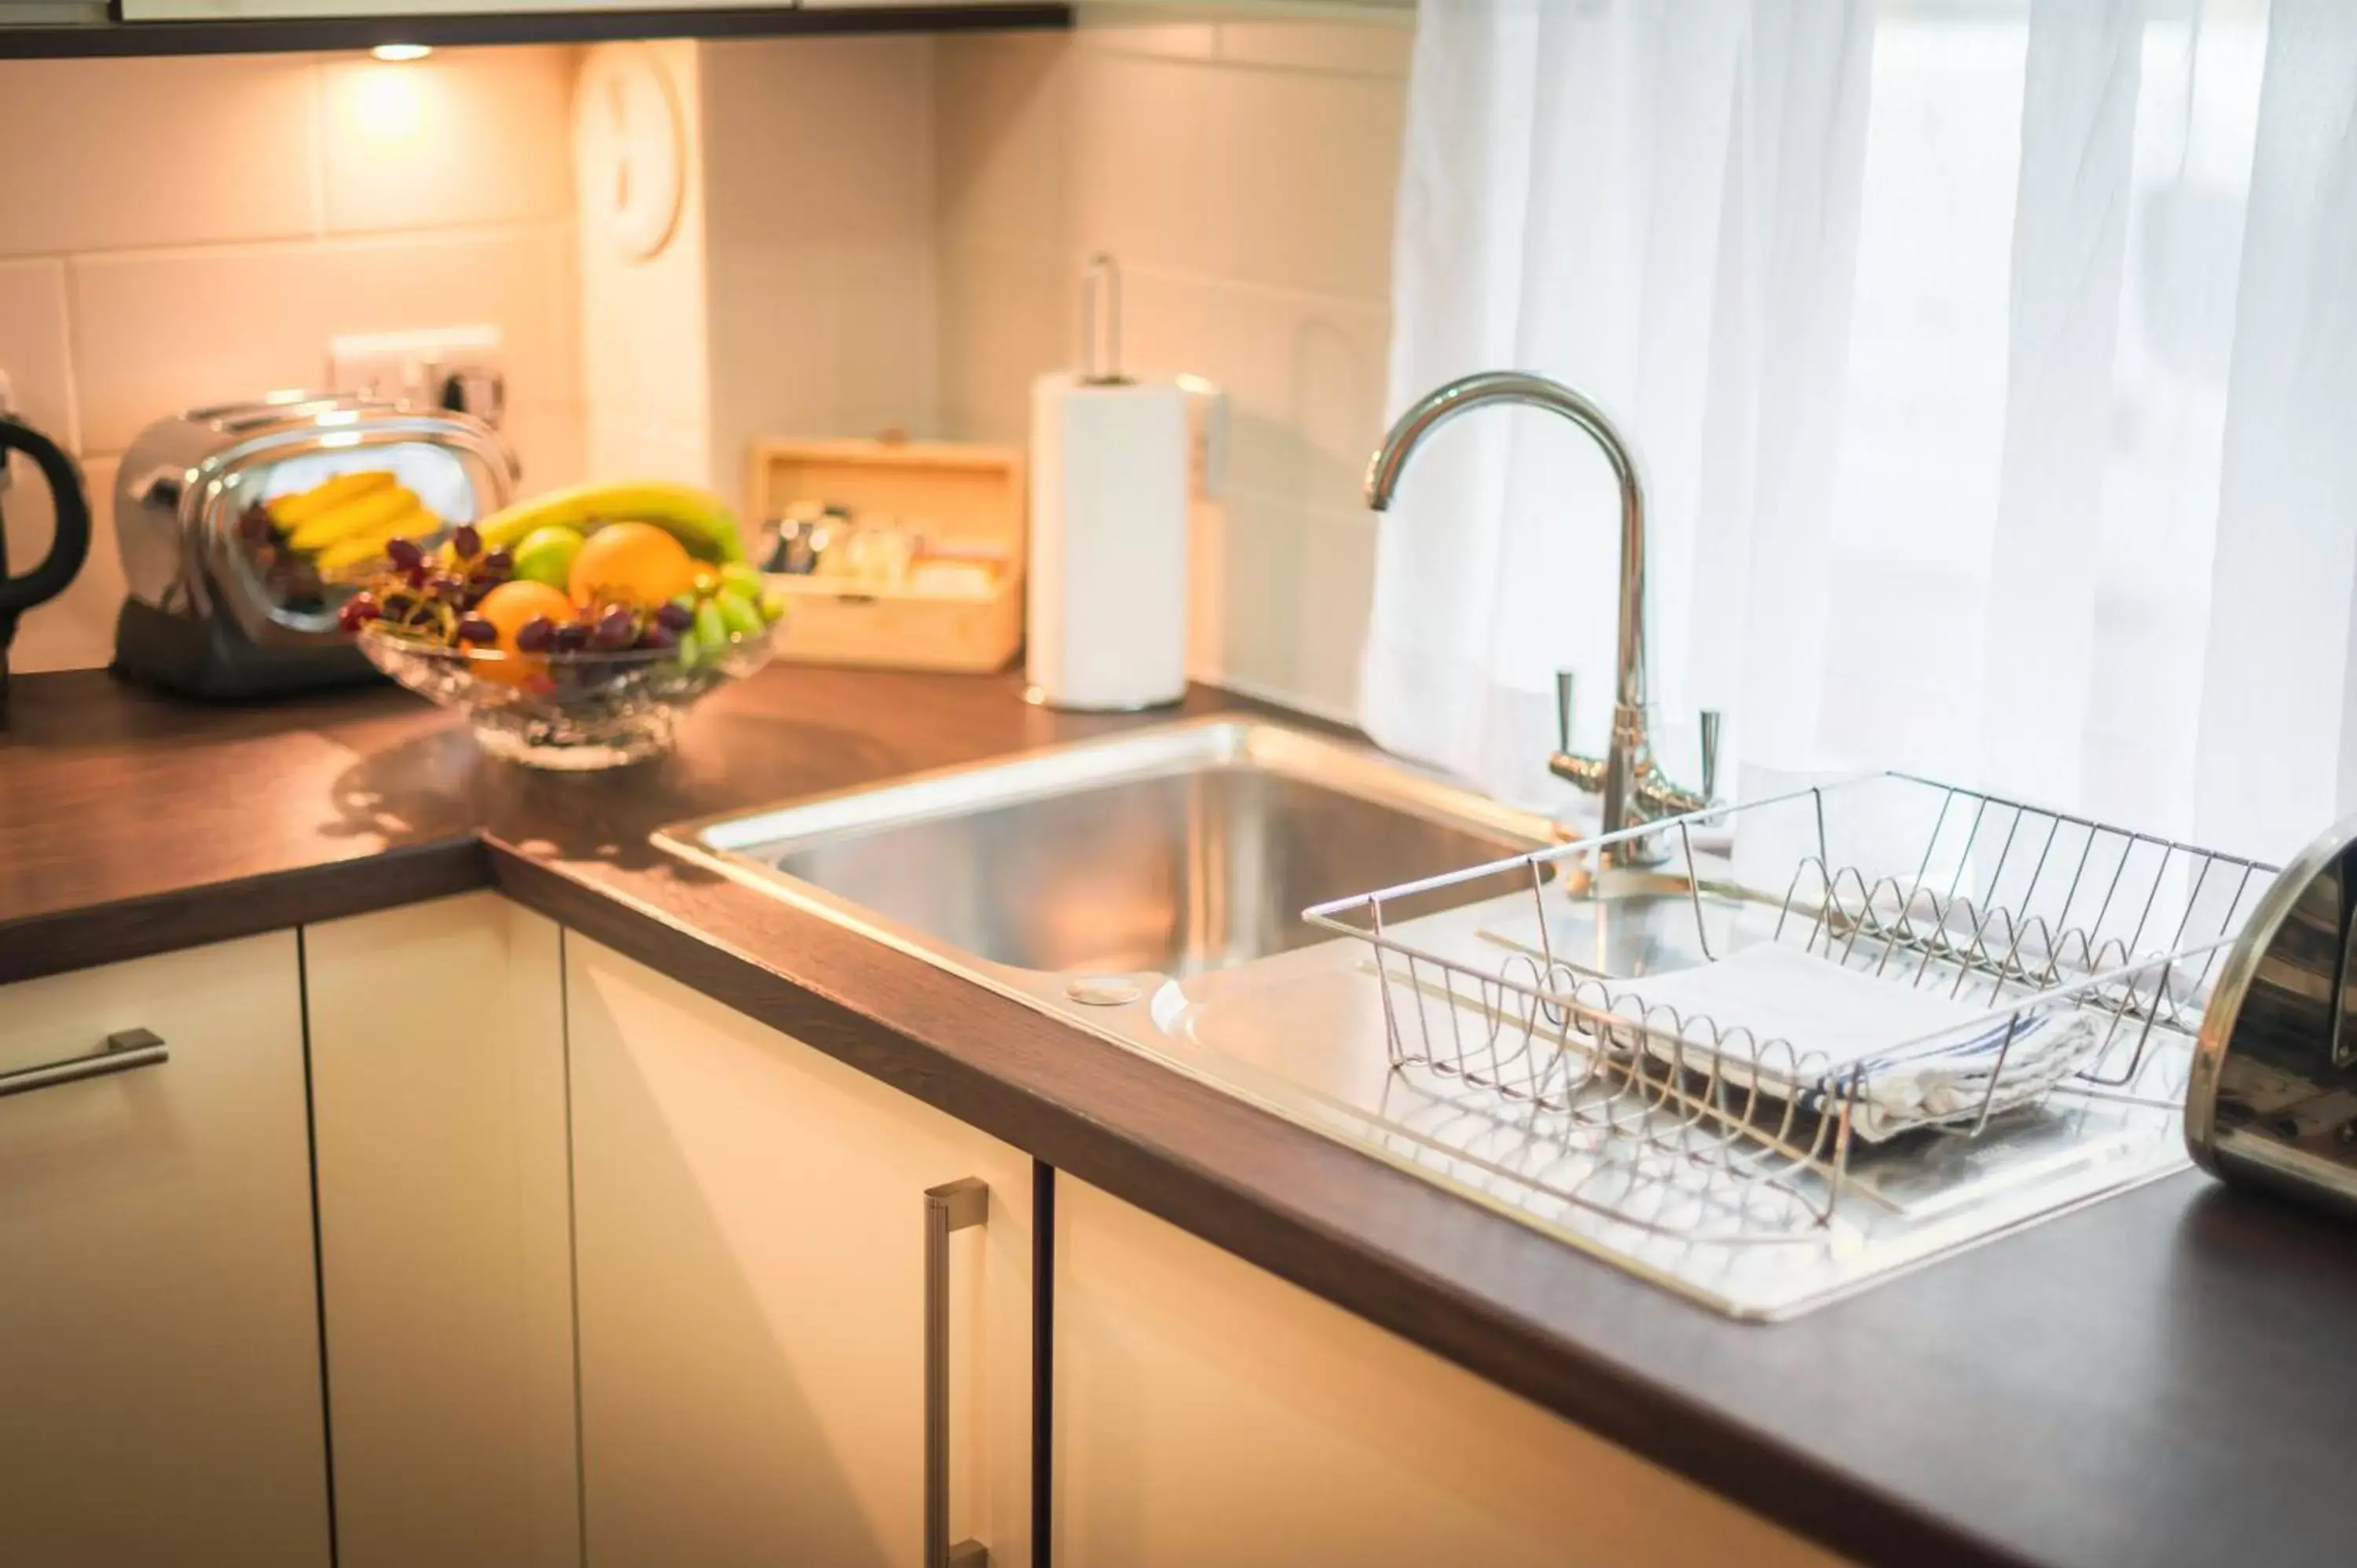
{"points": [[1107, 625]]}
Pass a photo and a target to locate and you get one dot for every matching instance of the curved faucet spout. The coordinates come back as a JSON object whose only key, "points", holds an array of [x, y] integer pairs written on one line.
{"points": [[1437, 407], [1633, 789]]}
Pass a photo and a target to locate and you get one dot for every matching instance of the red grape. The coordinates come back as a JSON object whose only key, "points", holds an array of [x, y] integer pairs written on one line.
{"points": [[403, 553], [466, 541], [475, 629], [616, 630], [536, 635], [676, 618]]}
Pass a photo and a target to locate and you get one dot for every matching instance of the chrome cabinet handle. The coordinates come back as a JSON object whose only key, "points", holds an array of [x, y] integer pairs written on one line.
{"points": [[122, 1051], [951, 1206]]}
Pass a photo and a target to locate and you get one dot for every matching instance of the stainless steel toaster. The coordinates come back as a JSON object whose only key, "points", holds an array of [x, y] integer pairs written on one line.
{"points": [[2273, 1098], [218, 607]]}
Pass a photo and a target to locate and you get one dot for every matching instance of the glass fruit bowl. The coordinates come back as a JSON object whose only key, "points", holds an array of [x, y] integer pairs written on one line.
{"points": [[576, 712]]}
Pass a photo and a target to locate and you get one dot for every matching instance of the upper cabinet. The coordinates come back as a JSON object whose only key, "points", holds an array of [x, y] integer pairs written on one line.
{"points": [[59, 27], [66, 27]]}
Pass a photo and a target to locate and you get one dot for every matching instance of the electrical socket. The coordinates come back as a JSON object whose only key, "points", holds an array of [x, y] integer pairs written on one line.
{"points": [[457, 368]]}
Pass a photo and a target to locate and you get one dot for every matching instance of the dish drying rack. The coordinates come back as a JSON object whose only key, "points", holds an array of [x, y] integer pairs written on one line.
{"points": [[1519, 1032]]}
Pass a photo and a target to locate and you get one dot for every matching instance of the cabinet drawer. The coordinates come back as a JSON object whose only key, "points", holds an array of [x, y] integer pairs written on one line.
{"points": [[159, 1350]]}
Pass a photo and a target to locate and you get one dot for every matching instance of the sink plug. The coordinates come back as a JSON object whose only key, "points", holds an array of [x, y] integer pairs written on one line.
{"points": [[1102, 990]]}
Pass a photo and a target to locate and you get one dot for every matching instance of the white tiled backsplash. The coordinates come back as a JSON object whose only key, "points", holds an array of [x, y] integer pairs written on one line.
{"points": [[178, 231], [879, 231], [1243, 173]]}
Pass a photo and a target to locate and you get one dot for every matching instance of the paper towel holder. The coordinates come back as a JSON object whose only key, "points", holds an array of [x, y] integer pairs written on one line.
{"points": [[1101, 322], [1105, 599]]}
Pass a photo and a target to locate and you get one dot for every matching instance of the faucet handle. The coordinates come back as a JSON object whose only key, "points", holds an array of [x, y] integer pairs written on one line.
{"points": [[1583, 772], [1710, 722]]}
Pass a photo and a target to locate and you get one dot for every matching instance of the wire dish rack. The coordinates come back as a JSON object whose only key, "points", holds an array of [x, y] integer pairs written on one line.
{"points": [[1879, 1016]]}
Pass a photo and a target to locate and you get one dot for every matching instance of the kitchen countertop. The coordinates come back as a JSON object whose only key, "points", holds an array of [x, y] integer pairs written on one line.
{"points": [[2166, 1378]]}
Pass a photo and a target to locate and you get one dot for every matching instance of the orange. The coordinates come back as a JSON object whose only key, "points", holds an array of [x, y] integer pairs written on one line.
{"points": [[635, 562], [508, 607]]}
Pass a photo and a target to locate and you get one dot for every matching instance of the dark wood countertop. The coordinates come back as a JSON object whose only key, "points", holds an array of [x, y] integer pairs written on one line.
{"points": [[2164, 1378]]}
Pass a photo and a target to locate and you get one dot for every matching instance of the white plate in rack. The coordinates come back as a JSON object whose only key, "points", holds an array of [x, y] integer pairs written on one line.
{"points": [[1804, 1028]]}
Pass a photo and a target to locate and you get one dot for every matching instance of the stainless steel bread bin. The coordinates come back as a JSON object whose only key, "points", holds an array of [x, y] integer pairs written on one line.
{"points": [[211, 611], [2272, 1098]]}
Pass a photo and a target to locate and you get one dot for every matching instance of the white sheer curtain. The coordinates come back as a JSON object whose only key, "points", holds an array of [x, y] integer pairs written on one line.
{"points": [[1991, 366]]}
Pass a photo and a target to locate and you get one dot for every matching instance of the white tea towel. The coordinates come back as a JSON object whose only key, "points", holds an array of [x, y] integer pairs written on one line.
{"points": [[1813, 1025]]}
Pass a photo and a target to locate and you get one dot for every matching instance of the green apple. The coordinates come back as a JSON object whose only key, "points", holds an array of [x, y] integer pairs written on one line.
{"points": [[545, 555]]}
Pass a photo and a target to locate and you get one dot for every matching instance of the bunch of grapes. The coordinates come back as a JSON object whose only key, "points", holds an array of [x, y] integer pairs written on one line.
{"points": [[613, 628], [432, 598]]}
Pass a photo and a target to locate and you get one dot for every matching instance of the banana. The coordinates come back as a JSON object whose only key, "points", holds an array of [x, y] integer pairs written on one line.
{"points": [[696, 518], [359, 548], [294, 511], [354, 518]]}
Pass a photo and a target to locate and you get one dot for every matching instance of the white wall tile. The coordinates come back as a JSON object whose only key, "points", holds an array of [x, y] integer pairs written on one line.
{"points": [[158, 331], [1279, 178], [1290, 601], [1244, 175], [1124, 29], [833, 340], [33, 348], [1003, 126], [642, 321], [468, 136], [821, 263], [821, 141], [1305, 378], [567, 371], [552, 445], [1006, 317], [1207, 603], [633, 449], [1369, 49], [1143, 188], [110, 152], [1310, 165], [172, 212]]}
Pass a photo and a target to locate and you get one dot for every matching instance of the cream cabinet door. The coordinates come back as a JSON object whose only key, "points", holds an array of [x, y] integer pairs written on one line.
{"points": [[437, 1074], [1208, 1412], [159, 1331], [750, 1221]]}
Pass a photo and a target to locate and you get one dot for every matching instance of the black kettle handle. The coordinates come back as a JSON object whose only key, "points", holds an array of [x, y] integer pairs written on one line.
{"points": [[71, 545]]}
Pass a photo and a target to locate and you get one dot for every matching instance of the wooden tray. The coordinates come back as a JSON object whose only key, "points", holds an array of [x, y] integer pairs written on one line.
{"points": [[968, 498]]}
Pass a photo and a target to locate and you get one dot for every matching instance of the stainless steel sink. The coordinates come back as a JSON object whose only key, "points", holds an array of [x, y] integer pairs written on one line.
{"points": [[1167, 852], [1149, 889]]}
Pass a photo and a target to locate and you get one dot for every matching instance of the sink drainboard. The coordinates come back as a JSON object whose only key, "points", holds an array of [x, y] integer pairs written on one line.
{"points": [[1486, 1020]]}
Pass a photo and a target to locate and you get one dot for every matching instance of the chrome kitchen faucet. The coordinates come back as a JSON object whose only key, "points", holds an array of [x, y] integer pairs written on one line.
{"points": [[1634, 789]]}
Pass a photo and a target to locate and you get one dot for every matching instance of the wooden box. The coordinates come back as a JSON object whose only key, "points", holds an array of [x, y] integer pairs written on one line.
{"points": [[967, 500]]}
